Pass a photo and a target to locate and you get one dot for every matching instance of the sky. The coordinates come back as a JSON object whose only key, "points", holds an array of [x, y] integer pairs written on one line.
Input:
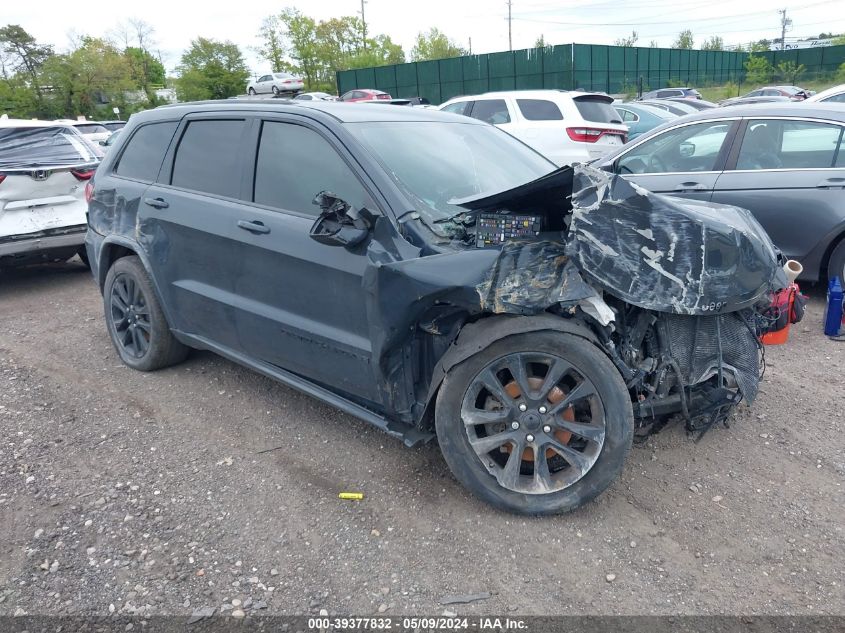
{"points": [[482, 21]]}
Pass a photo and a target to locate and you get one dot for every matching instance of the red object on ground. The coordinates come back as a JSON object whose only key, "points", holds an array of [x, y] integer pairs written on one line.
{"points": [[783, 303]]}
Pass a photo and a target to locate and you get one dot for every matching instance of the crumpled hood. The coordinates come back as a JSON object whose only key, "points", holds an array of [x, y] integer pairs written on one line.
{"points": [[668, 254]]}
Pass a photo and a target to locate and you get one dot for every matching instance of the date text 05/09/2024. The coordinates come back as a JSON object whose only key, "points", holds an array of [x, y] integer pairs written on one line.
{"points": [[456, 623]]}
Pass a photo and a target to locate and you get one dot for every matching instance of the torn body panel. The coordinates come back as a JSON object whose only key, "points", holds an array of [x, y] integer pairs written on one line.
{"points": [[667, 254]]}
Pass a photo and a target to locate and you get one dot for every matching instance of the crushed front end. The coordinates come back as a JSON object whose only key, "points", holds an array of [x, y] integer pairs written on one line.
{"points": [[672, 289]]}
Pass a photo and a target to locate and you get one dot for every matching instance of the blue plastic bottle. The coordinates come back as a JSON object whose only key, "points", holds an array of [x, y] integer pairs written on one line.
{"points": [[833, 311]]}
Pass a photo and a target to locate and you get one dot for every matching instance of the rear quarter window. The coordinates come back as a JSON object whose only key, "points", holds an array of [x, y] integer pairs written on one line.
{"points": [[597, 110], [142, 156], [207, 158], [539, 110]]}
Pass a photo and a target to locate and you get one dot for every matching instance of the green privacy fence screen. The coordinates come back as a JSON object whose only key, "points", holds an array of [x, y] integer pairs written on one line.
{"points": [[611, 69]]}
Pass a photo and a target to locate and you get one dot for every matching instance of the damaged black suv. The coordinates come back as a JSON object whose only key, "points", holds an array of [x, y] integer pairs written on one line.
{"points": [[433, 276]]}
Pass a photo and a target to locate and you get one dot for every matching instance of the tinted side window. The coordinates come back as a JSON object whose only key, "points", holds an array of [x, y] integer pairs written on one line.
{"points": [[457, 108], [539, 110], [840, 98], [596, 109], [773, 144], [141, 159], [295, 164], [491, 111], [206, 159]]}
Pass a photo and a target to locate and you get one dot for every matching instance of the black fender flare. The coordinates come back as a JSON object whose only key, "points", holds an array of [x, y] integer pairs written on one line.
{"points": [[479, 335], [140, 253]]}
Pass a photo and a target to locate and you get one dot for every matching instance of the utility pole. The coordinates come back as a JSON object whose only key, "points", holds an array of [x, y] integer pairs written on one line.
{"points": [[784, 22], [364, 22], [510, 20], [470, 46]]}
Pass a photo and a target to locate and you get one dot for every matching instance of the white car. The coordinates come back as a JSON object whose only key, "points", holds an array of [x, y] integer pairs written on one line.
{"points": [[44, 168], [92, 130], [831, 95], [275, 83], [565, 126], [315, 96]]}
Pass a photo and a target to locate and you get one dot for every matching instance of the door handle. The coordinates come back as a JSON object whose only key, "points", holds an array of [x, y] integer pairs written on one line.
{"points": [[158, 203], [828, 183], [691, 186], [253, 227]]}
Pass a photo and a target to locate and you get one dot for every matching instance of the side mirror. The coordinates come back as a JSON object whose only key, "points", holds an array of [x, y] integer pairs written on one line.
{"points": [[340, 224], [687, 149], [103, 143]]}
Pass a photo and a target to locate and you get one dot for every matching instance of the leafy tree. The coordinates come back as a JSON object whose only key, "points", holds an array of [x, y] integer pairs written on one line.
{"points": [[273, 48], [211, 69], [840, 73], [789, 71], [684, 40], [715, 43], [758, 70], [838, 41], [294, 42], [23, 55], [144, 68], [17, 99], [380, 51], [627, 41], [540, 42], [138, 39], [300, 31], [760, 46], [87, 78], [434, 45], [652, 44]]}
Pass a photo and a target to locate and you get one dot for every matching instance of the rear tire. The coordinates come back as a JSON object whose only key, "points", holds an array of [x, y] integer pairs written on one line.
{"points": [[135, 320], [275, 91], [566, 456], [251, 92], [836, 263]]}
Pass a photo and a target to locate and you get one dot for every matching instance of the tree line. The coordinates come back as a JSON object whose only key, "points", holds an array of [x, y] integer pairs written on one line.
{"points": [[122, 69]]}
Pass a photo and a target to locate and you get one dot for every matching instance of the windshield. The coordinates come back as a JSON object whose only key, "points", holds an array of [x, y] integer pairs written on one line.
{"points": [[22, 147], [437, 163]]}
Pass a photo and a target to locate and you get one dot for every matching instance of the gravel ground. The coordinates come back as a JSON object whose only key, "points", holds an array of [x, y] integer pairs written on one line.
{"points": [[206, 486]]}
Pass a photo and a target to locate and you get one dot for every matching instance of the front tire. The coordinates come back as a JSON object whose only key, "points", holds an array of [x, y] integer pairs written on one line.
{"points": [[135, 320], [536, 423]]}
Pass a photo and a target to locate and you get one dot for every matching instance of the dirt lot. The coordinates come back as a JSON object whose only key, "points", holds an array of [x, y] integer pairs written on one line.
{"points": [[157, 494]]}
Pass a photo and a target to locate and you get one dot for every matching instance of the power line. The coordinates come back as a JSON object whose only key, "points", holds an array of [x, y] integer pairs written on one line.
{"points": [[644, 22]]}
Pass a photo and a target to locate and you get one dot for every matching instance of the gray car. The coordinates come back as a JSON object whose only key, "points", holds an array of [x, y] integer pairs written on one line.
{"points": [[783, 162]]}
